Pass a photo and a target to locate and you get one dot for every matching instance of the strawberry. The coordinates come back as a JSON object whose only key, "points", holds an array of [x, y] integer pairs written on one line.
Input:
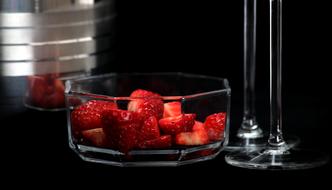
{"points": [[117, 117], [160, 142], [146, 104], [177, 124], [121, 127], [199, 136], [215, 125], [126, 136], [140, 93], [88, 115], [149, 129], [96, 137], [172, 109], [198, 126]]}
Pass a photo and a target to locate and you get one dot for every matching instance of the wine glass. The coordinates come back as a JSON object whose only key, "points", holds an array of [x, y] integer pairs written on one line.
{"points": [[250, 135], [277, 154]]}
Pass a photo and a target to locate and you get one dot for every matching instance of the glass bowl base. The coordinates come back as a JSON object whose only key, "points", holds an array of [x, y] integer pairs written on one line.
{"points": [[148, 158]]}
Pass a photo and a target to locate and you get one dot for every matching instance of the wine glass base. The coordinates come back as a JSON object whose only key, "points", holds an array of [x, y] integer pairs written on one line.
{"points": [[242, 144], [252, 133], [265, 159]]}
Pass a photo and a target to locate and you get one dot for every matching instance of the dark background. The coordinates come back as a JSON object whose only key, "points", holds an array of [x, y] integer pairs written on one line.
{"points": [[196, 37]]}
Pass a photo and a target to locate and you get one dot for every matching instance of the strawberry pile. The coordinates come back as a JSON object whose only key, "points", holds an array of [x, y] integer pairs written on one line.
{"points": [[148, 123], [46, 91]]}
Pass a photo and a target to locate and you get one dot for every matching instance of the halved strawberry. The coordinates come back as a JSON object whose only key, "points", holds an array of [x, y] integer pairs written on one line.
{"points": [[126, 137], [88, 115], [122, 128], [117, 117], [160, 142], [215, 125], [172, 109], [177, 124], [146, 104], [96, 137], [149, 129], [199, 136]]}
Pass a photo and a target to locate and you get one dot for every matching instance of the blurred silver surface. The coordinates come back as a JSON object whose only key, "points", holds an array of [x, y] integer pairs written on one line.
{"points": [[48, 36]]}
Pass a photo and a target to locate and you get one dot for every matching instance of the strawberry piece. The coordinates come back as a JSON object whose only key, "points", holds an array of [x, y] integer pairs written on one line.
{"points": [[215, 126], [140, 93], [121, 127], [146, 104], [149, 129], [172, 109], [96, 137], [199, 136], [126, 136], [117, 117], [88, 115], [198, 126], [177, 124], [160, 142]]}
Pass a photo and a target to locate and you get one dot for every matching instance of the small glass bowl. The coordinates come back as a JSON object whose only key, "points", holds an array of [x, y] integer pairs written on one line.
{"points": [[197, 94]]}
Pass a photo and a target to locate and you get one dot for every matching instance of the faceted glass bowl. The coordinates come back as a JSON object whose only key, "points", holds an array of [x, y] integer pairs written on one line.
{"points": [[201, 95]]}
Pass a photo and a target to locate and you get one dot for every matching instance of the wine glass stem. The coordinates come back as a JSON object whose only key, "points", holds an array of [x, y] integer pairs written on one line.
{"points": [[276, 138], [249, 114]]}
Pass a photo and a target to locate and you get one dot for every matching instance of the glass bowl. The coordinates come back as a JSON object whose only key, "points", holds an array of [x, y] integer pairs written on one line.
{"points": [[156, 119]]}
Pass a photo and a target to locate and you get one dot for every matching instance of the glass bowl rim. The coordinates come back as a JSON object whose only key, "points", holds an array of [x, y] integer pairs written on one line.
{"points": [[70, 82]]}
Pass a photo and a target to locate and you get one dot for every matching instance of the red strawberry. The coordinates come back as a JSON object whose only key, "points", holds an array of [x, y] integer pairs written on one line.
{"points": [[117, 117], [147, 104], [215, 126], [96, 137], [88, 115], [177, 124], [199, 136], [140, 93], [121, 127], [160, 142], [198, 126], [172, 109], [126, 136], [149, 129]]}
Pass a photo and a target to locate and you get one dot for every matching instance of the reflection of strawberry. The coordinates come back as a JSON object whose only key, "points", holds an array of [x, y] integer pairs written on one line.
{"points": [[172, 109], [46, 91], [121, 127], [198, 136], [146, 104], [177, 124], [37, 87], [149, 129], [96, 137], [160, 142], [88, 115], [215, 125]]}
